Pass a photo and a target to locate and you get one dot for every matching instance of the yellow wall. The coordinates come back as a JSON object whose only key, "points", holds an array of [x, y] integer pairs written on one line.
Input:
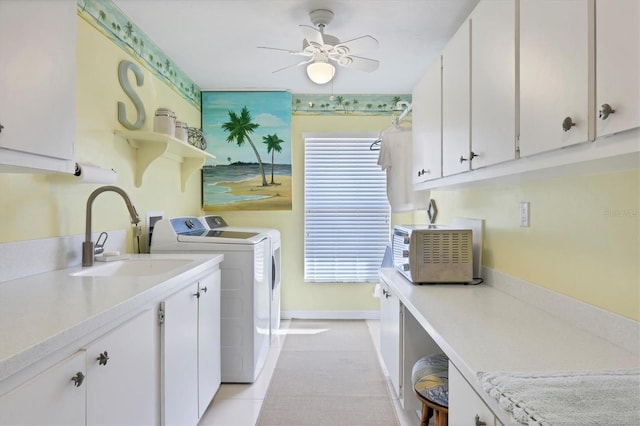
{"points": [[52, 205], [583, 240], [296, 294]]}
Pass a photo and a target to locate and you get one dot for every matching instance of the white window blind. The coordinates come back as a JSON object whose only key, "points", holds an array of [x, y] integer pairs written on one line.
{"points": [[346, 219]]}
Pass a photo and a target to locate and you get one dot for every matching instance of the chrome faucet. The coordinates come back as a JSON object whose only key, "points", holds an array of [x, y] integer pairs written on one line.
{"points": [[88, 252]]}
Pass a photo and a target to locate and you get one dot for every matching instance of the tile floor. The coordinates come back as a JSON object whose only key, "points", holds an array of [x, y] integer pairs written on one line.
{"points": [[239, 404]]}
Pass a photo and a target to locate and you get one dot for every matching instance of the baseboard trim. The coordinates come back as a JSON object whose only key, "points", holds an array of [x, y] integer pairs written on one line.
{"points": [[346, 315]]}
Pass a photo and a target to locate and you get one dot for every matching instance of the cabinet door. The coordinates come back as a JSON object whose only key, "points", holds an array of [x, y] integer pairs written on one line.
{"points": [[37, 82], [554, 74], [426, 102], [390, 335], [179, 351], [209, 374], [50, 398], [464, 403], [493, 83], [617, 65], [122, 372], [456, 136]]}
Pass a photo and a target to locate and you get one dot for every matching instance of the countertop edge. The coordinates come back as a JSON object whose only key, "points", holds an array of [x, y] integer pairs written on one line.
{"points": [[83, 332]]}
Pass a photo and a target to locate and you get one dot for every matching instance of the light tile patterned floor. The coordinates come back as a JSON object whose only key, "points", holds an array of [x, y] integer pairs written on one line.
{"points": [[239, 404]]}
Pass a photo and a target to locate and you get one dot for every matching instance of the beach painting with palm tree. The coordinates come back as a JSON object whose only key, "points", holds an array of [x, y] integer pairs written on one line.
{"points": [[250, 135]]}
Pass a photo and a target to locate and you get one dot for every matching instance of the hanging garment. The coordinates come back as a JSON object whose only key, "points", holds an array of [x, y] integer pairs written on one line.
{"points": [[396, 158]]}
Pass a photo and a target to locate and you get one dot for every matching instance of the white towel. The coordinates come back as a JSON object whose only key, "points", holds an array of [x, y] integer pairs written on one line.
{"points": [[395, 157], [608, 397]]}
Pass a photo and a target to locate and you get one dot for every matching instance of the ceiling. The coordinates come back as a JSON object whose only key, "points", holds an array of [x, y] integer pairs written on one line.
{"points": [[215, 41]]}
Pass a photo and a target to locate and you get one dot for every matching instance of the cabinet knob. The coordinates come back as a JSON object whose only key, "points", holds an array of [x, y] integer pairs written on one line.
{"points": [[78, 379], [1, 127], [605, 111], [473, 155], [385, 293], [204, 289], [462, 159], [478, 422], [567, 124], [197, 294], [103, 358], [423, 172]]}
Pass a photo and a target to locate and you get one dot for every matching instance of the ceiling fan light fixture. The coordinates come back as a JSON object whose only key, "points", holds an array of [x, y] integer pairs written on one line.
{"points": [[321, 72]]}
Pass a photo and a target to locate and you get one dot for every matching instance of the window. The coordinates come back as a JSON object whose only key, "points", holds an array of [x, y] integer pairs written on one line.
{"points": [[347, 216]]}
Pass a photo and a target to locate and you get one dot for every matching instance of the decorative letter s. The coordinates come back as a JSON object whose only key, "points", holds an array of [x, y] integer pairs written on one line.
{"points": [[123, 67]]}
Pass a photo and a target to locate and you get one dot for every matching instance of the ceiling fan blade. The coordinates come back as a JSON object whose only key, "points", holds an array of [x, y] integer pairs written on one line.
{"points": [[292, 66], [356, 45], [358, 63], [312, 35], [291, 52]]}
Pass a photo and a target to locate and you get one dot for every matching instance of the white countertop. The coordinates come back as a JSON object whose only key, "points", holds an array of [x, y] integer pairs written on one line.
{"points": [[43, 313], [482, 329]]}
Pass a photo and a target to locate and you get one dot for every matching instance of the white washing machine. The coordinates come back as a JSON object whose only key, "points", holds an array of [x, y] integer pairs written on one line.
{"points": [[245, 289], [217, 222]]}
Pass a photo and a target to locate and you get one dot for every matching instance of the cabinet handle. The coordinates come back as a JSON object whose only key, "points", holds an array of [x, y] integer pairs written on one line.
{"points": [[204, 289], [473, 155], [197, 294], [478, 422], [462, 159], [423, 172], [605, 111], [567, 124], [78, 379], [103, 358], [385, 293], [1, 127]]}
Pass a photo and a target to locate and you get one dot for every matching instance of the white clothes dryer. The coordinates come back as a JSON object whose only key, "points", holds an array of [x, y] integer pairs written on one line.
{"points": [[245, 289], [214, 222]]}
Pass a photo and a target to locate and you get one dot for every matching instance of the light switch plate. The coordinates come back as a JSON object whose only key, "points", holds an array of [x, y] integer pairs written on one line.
{"points": [[524, 214]]}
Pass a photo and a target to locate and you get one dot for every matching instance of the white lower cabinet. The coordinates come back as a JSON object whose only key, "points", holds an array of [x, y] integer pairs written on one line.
{"points": [[390, 335], [465, 406], [122, 374], [51, 398], [403, 341], [112, 381], [190, 351]]}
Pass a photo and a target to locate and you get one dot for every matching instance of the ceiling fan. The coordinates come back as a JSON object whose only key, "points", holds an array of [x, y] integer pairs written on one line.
{"points": [[322, 50]]}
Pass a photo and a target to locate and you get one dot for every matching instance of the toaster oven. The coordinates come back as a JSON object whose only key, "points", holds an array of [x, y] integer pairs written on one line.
{"points": [[433, 253]]}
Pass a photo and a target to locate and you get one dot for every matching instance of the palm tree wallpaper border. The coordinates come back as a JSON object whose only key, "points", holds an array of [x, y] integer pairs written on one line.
{"points": [[107, 18], [349, 104], [250, 134]]}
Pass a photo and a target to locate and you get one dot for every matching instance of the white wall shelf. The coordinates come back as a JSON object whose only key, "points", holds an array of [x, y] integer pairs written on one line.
{"points": [[151, 146]]}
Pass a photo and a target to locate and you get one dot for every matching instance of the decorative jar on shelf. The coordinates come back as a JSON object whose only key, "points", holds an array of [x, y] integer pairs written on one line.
{"points": [[182, 131], [165, 122]]}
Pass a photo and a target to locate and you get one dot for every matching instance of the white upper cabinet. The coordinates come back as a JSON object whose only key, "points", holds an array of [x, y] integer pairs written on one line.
{"points": [[37, 85], [617, 65], [456, 123], [555, 82], [426, 102], [493, 83]]}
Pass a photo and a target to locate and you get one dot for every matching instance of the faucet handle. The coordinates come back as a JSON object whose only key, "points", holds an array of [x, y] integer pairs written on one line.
{"points": [[99, 248]]}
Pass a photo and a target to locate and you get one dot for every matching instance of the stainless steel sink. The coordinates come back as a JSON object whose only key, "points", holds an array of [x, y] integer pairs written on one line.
{"points": [[132, 268]]}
